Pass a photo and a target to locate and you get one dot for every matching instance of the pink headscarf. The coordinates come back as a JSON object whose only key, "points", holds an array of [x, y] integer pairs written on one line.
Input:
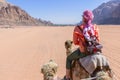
{"points": [[88, 15]]}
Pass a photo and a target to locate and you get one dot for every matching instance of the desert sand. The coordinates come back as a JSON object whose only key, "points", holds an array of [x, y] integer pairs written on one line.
{"points": [[24, 50]]}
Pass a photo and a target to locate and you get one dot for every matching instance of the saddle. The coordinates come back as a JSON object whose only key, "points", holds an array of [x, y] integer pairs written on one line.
{"points": [[92, 62], [90, 65]]}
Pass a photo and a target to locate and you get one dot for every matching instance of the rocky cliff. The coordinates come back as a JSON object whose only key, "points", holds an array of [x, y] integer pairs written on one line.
{"points": [[107, 13], [14, 15]]}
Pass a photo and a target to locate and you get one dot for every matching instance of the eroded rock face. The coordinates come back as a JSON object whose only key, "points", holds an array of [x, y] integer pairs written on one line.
{"points": [[3, 1], [13, 15], [107, 13]]}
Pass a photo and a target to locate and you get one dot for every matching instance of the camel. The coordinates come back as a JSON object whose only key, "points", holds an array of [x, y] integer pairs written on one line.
{"points": [[49, 71], [78, 72]]}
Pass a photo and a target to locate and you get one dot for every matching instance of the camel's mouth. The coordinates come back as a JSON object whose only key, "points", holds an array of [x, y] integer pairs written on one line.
{"points": [[50, 75]]}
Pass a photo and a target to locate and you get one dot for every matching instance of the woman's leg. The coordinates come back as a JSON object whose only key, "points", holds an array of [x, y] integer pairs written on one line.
{"points": [[74, 55]]}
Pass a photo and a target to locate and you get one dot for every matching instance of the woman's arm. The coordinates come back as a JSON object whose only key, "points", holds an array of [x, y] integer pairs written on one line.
{"points": [[75, 36]]}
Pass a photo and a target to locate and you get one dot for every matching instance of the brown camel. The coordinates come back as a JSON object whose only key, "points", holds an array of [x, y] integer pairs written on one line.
{"points": [[78, 72]]}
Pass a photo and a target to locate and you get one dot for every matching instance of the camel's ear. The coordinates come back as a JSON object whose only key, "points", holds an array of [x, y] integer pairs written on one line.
{"points": [[71, 42]]}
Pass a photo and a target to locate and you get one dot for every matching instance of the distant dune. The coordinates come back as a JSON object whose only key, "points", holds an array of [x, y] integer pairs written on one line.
{"points": [[24, 50]]}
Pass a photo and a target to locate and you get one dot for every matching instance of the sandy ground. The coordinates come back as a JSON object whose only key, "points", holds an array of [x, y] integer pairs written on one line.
{"points": [[24, 50]]}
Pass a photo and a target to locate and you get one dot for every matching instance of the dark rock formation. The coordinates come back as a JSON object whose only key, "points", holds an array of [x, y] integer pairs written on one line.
{"points": [[107, 13]]}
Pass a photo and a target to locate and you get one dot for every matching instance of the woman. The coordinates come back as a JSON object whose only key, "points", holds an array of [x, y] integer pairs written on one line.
{"points": [[79, 39]]}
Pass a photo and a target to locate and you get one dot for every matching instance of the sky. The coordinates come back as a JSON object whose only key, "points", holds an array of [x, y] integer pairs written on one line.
{"points": [[57, 11]]}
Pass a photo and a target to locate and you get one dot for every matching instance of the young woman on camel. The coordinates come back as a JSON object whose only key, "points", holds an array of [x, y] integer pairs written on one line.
{"points": [[81, 36]]}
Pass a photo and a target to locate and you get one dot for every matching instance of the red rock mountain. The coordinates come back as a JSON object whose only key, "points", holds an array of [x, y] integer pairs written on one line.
{"points": [[14, 15]]}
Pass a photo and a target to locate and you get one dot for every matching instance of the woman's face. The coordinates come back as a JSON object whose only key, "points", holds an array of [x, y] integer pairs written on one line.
{"points": [[83, 20]]}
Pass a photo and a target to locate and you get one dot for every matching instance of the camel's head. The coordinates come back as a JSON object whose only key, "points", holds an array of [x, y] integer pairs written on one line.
{"points": [[68, 44], [103, 76], [49, 70]]}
